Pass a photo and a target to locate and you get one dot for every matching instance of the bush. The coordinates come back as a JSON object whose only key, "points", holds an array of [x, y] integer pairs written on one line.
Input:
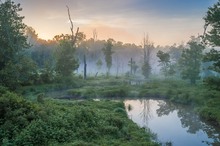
{"points": [[15, 114], [60, 122], [114, 92], [213, 82]]}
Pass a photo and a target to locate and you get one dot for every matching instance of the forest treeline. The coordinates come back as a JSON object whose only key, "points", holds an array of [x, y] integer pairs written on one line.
{"points": [[27, 59], [28, 63]]}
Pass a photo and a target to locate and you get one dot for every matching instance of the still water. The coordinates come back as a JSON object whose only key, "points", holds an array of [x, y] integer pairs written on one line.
{"points": [[172, 123]]}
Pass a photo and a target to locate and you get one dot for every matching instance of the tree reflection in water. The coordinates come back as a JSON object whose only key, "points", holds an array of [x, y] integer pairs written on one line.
{"points": [[166, 118], [145, 114], [189, 120]]}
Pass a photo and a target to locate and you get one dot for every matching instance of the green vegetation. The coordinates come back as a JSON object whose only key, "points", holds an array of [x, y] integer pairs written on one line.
{"points": [[66, 62], [212, 19], [107, 50], [166, 67], [15, 68], [190, 61], [29, 117], [60, 122], [148, 48], [204, 100], [212, 37]]}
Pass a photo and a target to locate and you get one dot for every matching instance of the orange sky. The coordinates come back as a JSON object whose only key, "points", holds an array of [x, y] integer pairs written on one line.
{"points": [[166, 23]]}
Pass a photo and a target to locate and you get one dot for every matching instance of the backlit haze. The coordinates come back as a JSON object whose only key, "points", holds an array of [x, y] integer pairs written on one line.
{"points": [[165, 21]]}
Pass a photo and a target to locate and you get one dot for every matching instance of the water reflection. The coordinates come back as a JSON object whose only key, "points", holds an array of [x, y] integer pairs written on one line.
{"points": [[146, 112], [172, 122]]}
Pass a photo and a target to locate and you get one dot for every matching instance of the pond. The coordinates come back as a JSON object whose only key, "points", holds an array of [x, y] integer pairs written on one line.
{"points": [[172, 123]]}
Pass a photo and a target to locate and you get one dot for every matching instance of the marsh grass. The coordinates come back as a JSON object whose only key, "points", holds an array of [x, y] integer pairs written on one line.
{"points": [[67, 122]]}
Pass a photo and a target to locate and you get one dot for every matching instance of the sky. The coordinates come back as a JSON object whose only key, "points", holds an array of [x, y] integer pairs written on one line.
{"points": [[165, 21]]}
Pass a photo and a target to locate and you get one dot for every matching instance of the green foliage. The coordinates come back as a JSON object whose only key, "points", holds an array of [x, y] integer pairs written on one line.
{"points": [[205, 101], [167, 68], [47, 74], [41, 51], [212, 20], [210, 112], [66, 62], [213, 82], [66, 123], [22, 72], [115, 92], [213, 38], [100, 92], [164, 57], [15, 69], [12, 39], [146, 69], [190, 61], [15, 115], [213, 56], [107, 50]]}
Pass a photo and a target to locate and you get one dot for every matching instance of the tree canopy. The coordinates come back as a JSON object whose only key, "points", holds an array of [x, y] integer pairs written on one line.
{"points": [[66, 62], [166, 67], [15, 69], [107, 50], [190, 61], [212, 20], [12, 29]]}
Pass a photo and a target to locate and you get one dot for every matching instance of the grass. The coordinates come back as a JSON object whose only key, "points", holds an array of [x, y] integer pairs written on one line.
{"points": [[119, 131], [64, 122], [179, 91]]}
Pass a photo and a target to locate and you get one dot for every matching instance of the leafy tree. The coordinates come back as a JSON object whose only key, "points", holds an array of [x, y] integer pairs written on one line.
{"points": [[212, 20], [190, 61], [32, 36], [213, 56], [146, 69], [175, 52], [12, 38], [61, 37], [47, 73], [22, 72], [212, 37], [66, 62], [107, 50], [175, 55], [167, 68], [79, 39], [13, 69]]}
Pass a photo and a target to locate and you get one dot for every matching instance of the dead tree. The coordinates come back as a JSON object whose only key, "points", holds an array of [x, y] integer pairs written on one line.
{"points": [[131, 66], [73, 38], [85, 65]]}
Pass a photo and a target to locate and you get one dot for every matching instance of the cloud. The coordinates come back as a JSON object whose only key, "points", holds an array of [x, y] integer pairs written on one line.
{"points": [[166, 21]]}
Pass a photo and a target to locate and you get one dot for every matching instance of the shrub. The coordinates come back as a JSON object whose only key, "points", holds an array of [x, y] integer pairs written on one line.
{"points": [[15, 114], [213, 82]]}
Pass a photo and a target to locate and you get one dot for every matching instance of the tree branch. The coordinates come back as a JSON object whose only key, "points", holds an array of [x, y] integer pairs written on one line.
{"points": [[71, 28]]}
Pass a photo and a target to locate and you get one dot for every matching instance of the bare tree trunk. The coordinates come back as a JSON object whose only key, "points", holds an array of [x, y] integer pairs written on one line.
{"points": [[85, 65], [96, 74], [71, 28], [131, 66]]}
